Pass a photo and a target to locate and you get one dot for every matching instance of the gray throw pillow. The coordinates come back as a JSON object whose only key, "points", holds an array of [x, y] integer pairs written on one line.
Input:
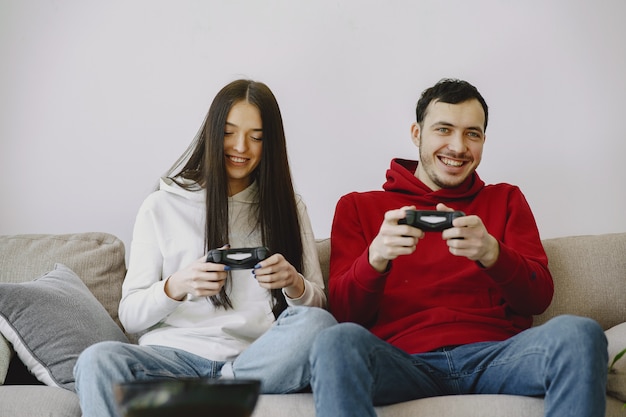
{"points": [[51, 320]]}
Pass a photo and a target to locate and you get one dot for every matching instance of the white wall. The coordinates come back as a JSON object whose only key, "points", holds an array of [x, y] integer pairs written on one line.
{"points": [[97, 99]]}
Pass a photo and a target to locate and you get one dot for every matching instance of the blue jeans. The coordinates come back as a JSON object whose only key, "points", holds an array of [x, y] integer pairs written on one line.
{"points": [[563, 360], [279, 358]]}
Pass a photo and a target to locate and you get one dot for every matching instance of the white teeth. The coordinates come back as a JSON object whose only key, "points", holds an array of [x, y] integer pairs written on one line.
{"points": [[452, 163], [237, 159]]}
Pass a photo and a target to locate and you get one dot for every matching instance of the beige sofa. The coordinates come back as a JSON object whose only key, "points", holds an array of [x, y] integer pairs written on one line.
{"points": [[589, 274]]}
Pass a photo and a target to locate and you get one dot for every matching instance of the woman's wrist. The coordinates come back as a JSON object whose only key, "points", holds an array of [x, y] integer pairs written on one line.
{"points": [[169, 290], [296, 290]]}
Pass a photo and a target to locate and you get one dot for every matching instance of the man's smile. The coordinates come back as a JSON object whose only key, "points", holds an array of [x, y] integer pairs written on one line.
{"points": [[451, 162]]}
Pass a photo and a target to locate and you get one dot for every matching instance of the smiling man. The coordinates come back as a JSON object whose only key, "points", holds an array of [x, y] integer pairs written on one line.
{"points": [[428, 313]]}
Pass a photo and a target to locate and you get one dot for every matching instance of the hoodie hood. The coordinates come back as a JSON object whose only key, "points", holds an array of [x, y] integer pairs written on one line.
{"points": [[197, 194], [401, 179]]}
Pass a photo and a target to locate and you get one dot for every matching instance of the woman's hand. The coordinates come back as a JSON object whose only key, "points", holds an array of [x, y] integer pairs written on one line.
{"points": [[276, 272], [200, 279]]}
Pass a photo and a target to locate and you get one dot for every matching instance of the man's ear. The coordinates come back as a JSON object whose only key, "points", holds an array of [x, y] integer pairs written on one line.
{"points": [[415, 133]]}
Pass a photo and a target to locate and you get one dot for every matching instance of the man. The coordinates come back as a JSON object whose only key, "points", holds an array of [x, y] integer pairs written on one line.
{"points": [[440, 313]]}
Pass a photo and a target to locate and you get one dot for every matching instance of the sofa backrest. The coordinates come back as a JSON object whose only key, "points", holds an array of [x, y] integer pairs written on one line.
{"points": [[97, 258], [589, 274]]}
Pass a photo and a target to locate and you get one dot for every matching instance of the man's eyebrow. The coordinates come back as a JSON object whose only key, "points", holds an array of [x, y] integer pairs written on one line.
{"points": [[448, 124], [476, 128], [442, 123]]}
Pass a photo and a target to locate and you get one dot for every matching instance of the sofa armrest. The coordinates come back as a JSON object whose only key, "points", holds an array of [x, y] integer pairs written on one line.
{"points": [[6, 353], [588, 274], [616, 384]]}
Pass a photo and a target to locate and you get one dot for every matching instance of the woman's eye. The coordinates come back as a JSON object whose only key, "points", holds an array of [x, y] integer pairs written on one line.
{"points": [[256, 138], [228, 133]]}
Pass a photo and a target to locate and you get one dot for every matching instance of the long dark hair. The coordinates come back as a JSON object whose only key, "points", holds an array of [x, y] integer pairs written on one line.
{"points": [[277, 214]]}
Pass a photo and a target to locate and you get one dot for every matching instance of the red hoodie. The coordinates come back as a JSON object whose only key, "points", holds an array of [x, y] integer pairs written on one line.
{"points": [[432, 298]]}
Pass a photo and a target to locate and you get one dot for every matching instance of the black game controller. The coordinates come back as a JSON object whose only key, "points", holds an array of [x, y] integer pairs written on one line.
{"points": [[242, 258], [430, 220]]}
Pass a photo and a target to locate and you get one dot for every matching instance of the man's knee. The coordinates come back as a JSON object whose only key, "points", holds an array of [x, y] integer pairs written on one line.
{"points": [[578, 327], [339, 337], [582, 336]]}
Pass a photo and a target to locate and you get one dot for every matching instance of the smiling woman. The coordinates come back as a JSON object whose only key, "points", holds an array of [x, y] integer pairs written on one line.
{"points": [[198, 315]]}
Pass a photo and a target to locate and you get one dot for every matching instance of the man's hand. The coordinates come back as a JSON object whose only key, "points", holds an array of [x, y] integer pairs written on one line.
{"points": [[393, 239], [470, 238]]}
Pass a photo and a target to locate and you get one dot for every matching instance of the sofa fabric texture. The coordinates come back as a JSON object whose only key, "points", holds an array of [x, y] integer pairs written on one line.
{"points": [[589, 275], [74, 320]]}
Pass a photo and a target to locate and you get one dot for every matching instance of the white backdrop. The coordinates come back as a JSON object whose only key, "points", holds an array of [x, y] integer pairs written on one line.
{"points": [[97, 99]]}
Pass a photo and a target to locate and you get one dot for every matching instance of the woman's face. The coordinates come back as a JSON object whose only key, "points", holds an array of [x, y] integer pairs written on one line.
{"points": [[243, 145]]}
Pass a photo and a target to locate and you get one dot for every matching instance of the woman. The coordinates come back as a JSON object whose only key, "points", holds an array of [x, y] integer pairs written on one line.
{"points": [[198, 318]]}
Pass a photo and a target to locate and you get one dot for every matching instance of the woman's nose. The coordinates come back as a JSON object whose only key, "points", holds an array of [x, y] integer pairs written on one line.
{"points": [[240, 143]]}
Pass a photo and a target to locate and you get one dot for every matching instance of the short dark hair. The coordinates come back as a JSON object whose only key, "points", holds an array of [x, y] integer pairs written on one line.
{"points": [[451, 91]]}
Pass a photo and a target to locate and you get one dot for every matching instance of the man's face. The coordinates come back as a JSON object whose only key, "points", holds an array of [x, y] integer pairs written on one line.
{"points": [[450, 143]]}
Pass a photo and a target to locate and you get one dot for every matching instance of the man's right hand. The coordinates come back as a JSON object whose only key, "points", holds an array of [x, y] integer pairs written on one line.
{"points": [[393, 239]]}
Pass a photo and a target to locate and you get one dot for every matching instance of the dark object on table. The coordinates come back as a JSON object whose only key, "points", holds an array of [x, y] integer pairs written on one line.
{"points": [[192, 397]]}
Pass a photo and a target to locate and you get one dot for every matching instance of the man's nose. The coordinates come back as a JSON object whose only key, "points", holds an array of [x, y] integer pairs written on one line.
{"points": [[457, 143]]}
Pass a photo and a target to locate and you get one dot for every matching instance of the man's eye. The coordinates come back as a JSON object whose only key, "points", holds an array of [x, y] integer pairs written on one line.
{"points": [[443, 130]]}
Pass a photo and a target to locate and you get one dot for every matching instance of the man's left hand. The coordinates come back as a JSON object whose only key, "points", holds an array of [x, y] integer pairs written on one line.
{"points": [[468, 237]]}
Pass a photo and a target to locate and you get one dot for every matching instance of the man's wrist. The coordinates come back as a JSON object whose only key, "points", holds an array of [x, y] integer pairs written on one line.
{"points": [[379, 263], [492, 255]]}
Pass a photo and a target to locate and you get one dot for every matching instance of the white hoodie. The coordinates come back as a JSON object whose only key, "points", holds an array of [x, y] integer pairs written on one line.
{"points": [[168, 236]]}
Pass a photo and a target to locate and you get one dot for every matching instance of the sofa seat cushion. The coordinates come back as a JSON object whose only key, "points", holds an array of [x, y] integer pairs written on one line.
{"points": [[457, 405], [51, 320], [38, 400], [472, 405]]}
